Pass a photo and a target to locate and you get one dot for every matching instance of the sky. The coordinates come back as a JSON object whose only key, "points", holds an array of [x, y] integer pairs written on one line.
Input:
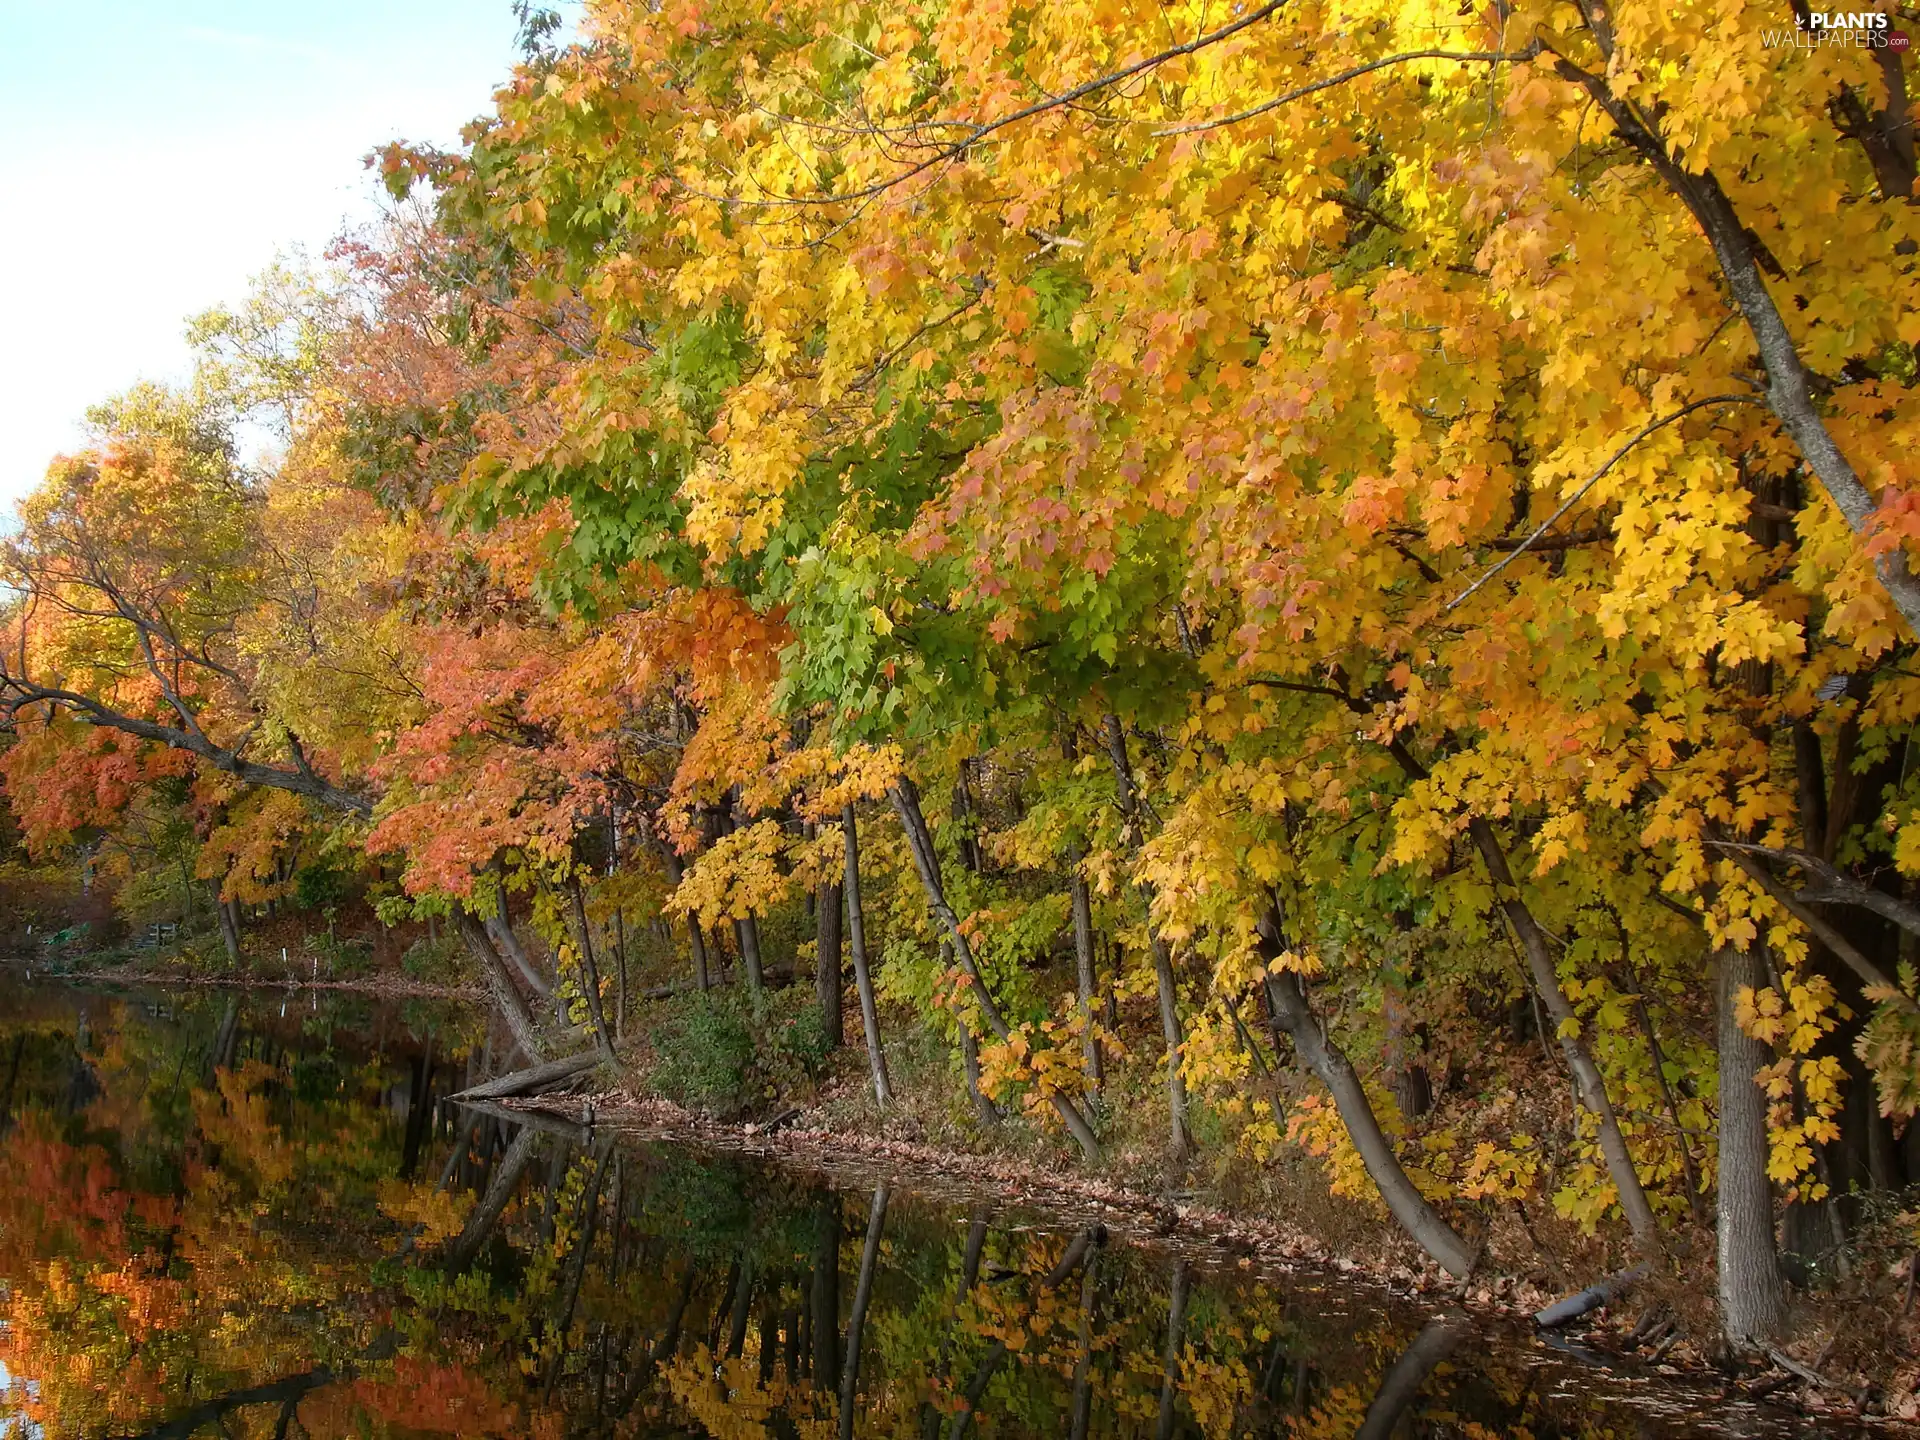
{"points": [[159, 152]]}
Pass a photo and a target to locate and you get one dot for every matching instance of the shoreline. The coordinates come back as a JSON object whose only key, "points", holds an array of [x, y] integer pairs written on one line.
{"points": [[1252, 1247], [379, 986]]}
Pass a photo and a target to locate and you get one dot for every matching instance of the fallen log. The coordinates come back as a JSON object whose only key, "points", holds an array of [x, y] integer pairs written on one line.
{"points": [[1590, 1299], [533, 1080]]}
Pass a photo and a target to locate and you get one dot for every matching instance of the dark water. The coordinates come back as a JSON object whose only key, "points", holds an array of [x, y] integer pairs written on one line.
{"points": [[243, 1215]]}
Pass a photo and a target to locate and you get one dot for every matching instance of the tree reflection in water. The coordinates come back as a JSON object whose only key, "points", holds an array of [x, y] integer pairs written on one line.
{"points": [[220, 1215]]}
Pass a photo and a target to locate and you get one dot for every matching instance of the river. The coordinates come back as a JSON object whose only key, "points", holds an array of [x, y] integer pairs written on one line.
{"points": [[254, 1214]]}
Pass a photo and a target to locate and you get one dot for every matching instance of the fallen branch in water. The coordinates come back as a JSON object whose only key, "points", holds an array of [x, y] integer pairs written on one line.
{"points": [[1589, 1299], [533, 1080], [1813, 1377]]}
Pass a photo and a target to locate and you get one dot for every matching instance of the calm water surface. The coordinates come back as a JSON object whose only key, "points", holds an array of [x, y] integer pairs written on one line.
{"points": [[254, 1215]]}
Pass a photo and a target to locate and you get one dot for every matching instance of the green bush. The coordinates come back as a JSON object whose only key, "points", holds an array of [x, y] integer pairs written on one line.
{"points": [[713, 1054], [436, 962], [704, 1053], [793, 1039], [341, 959]]}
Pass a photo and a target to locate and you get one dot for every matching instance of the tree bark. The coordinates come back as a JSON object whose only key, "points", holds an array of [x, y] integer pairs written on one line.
{"points": [[1082, 903], [506, 999], [1588, 1082], [1752, 1295], [827, 979], [1315, 1049], [1169, 994], [984, 1110], [533, 1080], [620, 958], [676, 869], [857, 943], [590, 973], [906, 804], [229, 930]]}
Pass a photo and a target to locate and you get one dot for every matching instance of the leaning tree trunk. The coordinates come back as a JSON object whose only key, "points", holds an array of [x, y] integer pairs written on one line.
{"points": [[1752, 1297], [1589, 1084], [1293, 1014], [506, 999], [857, 943], [906, 804]]}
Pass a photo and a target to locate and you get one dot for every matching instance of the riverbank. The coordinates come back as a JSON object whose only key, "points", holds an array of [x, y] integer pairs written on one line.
{"points": [[1635, 1342], [382, 985]]}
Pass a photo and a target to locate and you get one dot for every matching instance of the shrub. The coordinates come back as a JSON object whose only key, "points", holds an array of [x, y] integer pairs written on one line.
{"points": [[704, 1053], [436, 962], [712, 1053], [341, 959]]}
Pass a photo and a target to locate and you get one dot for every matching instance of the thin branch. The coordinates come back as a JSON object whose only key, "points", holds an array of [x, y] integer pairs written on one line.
{"points": [[982, 131], [1593, 480], [1483, 57]]}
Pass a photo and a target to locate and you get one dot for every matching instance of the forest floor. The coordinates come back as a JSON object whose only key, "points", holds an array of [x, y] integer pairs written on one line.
{"points": [[1639, 1339]]}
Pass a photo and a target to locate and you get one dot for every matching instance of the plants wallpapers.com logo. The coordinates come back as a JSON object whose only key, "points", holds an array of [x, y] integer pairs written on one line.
{"points": [[1850, 30]]}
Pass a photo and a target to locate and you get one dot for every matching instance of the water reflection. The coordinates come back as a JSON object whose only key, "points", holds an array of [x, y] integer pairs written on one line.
{"points": [[220, 1215]]}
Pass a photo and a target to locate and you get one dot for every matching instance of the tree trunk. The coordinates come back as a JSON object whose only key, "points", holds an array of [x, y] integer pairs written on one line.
{"points": [[1083, 965], [906, 804], [1407, 1077], [857, 942], [1588, 1082], [229, 929], [1752, 1296], [747, 931], [1175, 1041], [675, 870], [1315, 1049], [856, 1322], [500, 930], [984, 1109], [1181, 1137], [827, 980], [506, 999], [590, 973], [620, 957]]}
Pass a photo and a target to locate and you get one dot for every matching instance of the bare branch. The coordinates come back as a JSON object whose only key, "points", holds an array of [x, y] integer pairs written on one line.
{"points": [[1591, 481], [1483, 57]]}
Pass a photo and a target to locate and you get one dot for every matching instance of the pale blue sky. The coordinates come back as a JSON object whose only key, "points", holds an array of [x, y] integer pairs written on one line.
{"points": [[158, 152]]}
